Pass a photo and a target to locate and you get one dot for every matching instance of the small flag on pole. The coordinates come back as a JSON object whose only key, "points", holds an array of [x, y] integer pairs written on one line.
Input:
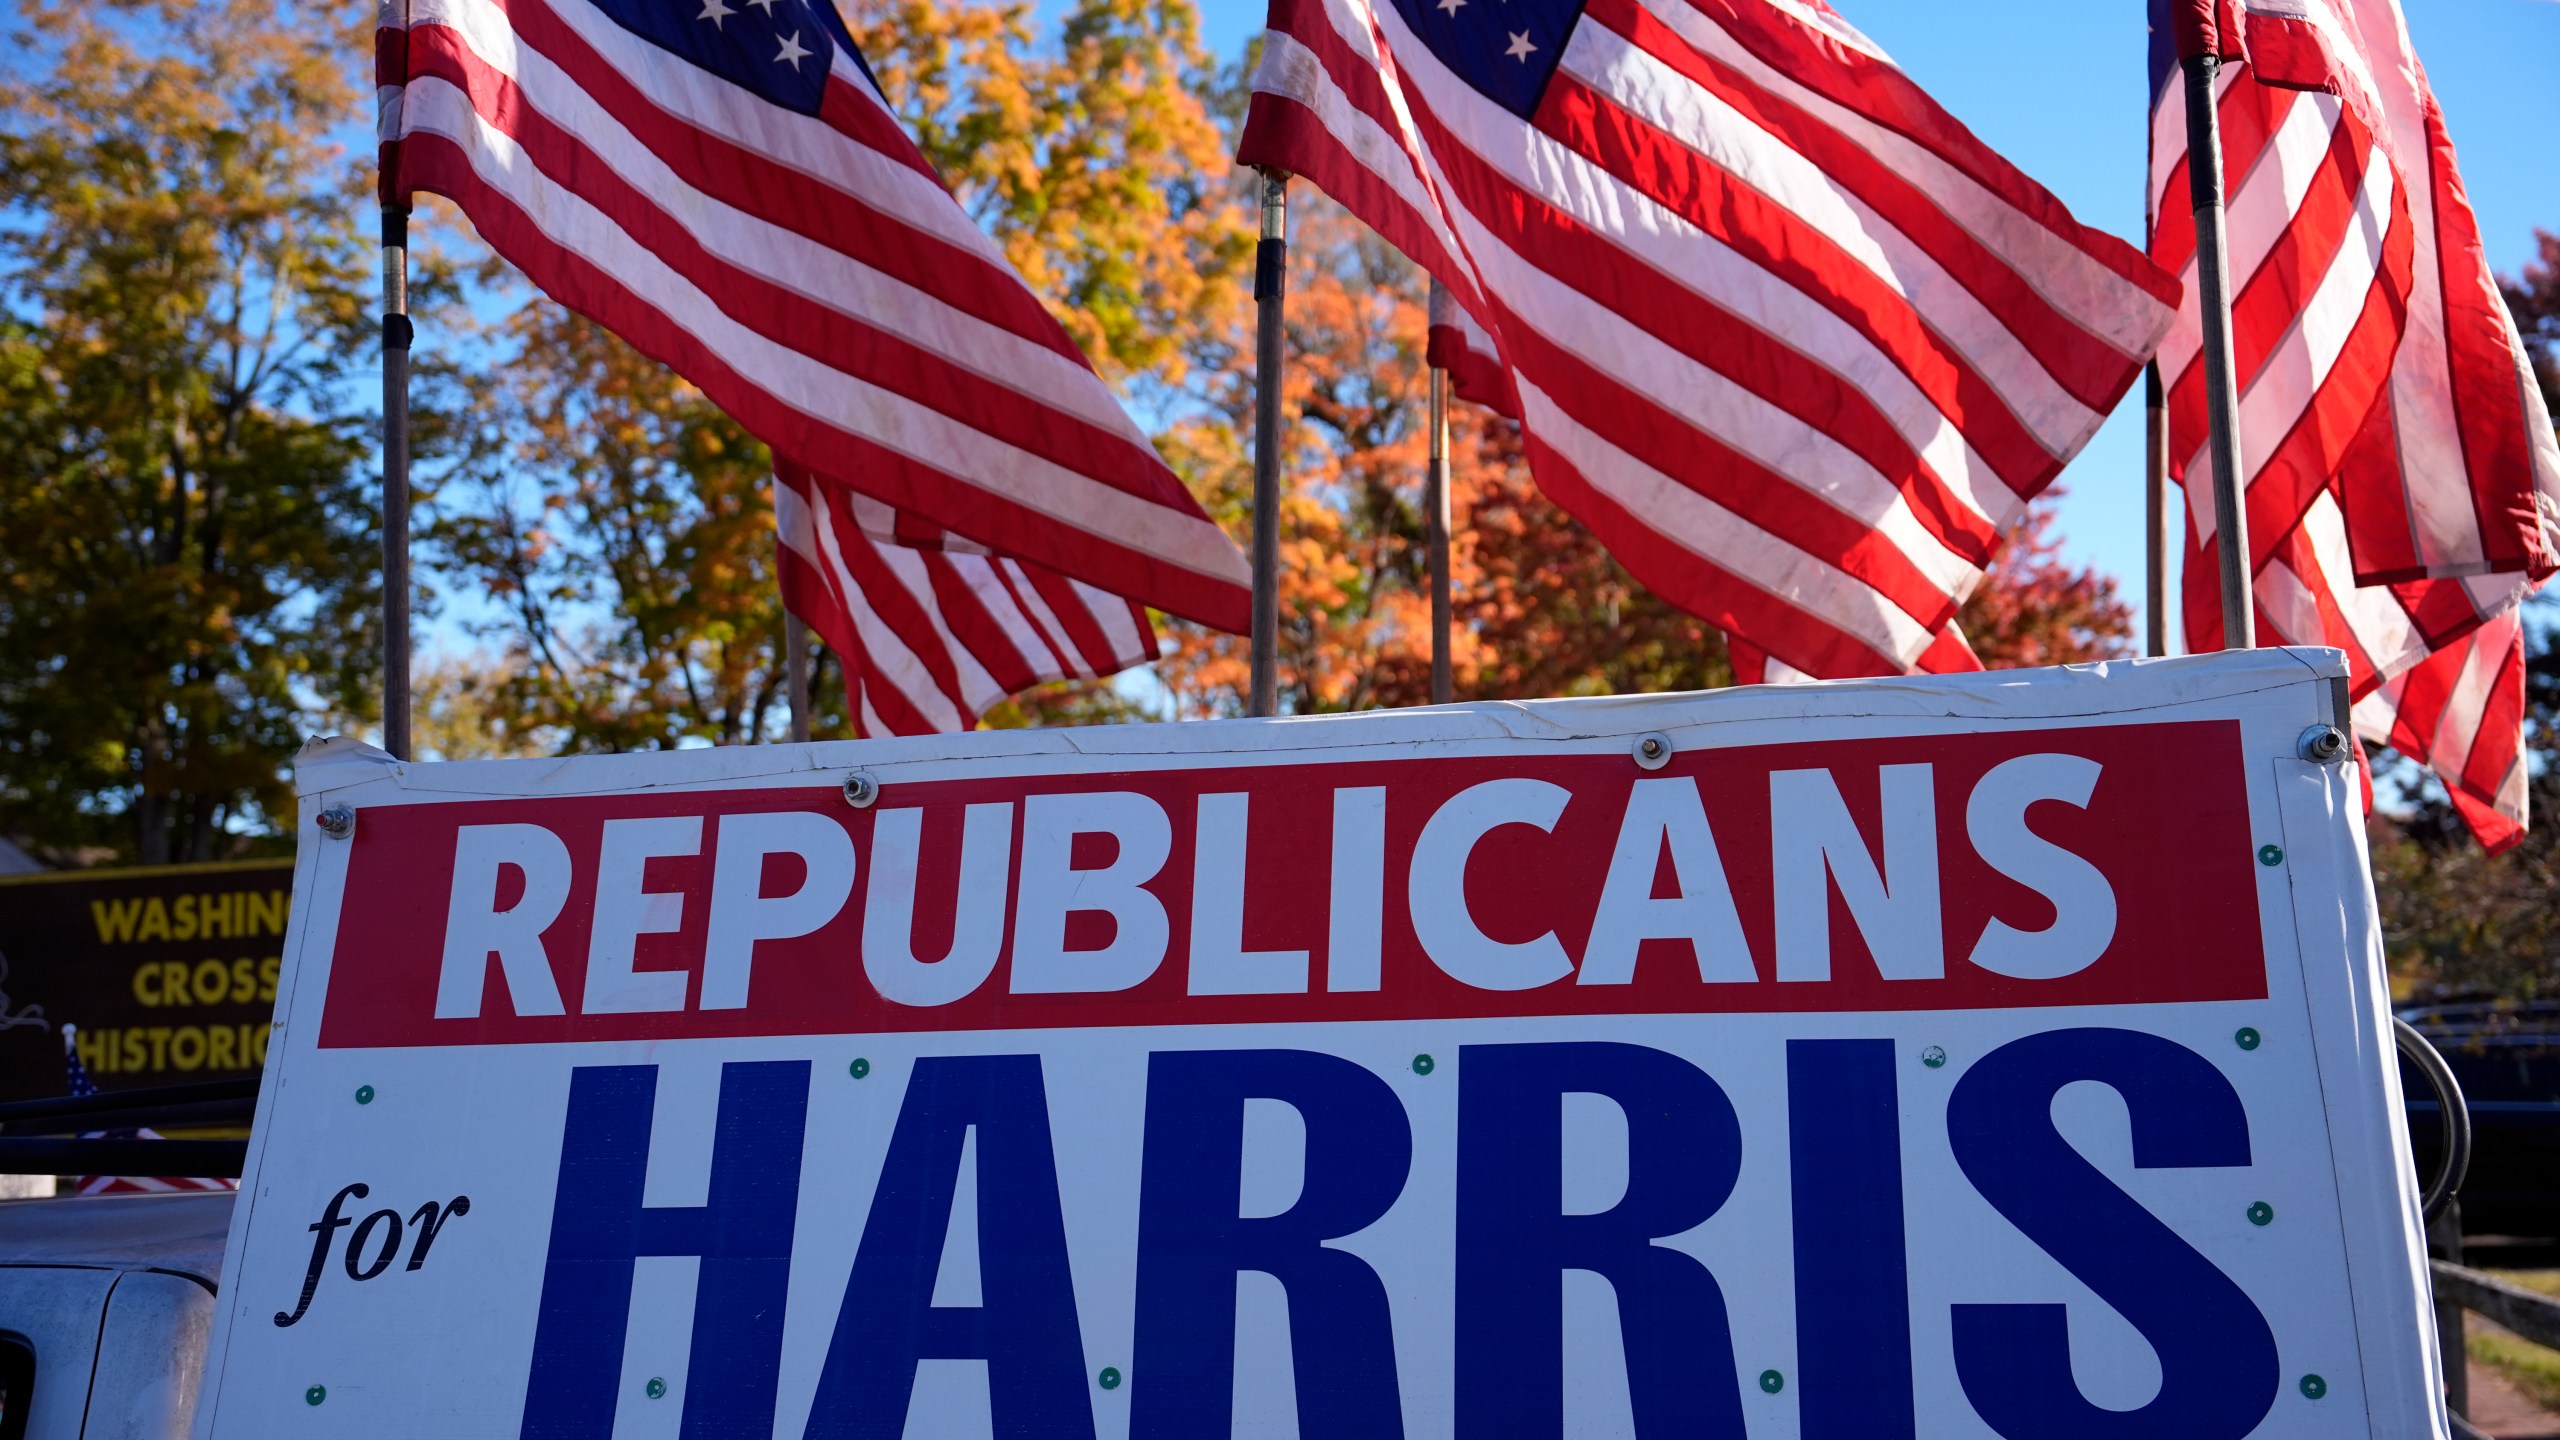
{"points": [[82, 1087]]}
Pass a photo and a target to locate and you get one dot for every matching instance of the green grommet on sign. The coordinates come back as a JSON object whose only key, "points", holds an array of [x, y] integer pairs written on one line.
{"points": [[1772, 1382], [2247, 1038], [2313, 1387], [859, 1068], [1933, 1057], [656, 1389], [1110, 1378], [1422, 1065], [315, 1394], [2270, 854], [364, 1094], [2262, 1213]]}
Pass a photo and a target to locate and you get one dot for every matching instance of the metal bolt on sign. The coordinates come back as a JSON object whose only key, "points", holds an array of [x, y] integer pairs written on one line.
{"points": [[2313, 1387], [1933, 1057], [2270, 855], [2246, 1037], [859, 1068], [1110, 1378], [315, 1394], [1772, 1382], [338, 822], [656, 1388], [860, 790], [364, 1094], [1422, 1065], [1653, 751], [2323, 745], [2262, 1213]]}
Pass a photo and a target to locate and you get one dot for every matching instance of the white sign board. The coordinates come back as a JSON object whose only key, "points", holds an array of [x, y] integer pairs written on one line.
{"points": [[2005, 1055]]}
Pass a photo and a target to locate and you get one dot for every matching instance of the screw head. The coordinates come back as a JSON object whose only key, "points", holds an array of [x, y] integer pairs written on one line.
{"points": [[858, 1068], [1422, 1065], [2246, 1037], [315, 1394], [364, 1094], [2262, 1213], [1772, 1382], [1933, 1057], [1110, 1378], [1653, 751], [2270, 855], [860, 790], [337, 822], [2322, 745], [656, 1389], [2313, 1387]]}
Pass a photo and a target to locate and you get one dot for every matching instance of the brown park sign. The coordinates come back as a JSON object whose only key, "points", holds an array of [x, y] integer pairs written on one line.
{"points": [[169, 973]]}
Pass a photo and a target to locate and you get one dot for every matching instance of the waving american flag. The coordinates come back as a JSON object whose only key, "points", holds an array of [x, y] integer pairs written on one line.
{"points": [[720, 183], [1787, 337]]}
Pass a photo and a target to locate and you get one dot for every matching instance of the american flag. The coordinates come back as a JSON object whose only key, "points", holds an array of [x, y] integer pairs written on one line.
{"points": [[932, 630], [1787, 337], [2400, 471], [83, 1087], [720, 183]]}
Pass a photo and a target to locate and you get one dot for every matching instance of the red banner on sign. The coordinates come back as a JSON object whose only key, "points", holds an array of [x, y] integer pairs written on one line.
{"points": [[2085, 866]]}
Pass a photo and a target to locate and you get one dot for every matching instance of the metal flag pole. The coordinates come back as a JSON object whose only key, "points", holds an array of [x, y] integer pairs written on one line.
{"points": [[1435, 499], [2155, 512], [397, 334], [795, 673], [2222, 397], [1270, 286]]}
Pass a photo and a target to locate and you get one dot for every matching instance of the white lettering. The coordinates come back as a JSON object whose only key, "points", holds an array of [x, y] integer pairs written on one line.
{"points": [[1437, 888], [625, 911], [1663, 812], [741, 914], [1813, 843], [2084, 904], [474, 926], [1220, 965], [977, 919], [1052, 889], [1359, 888]]}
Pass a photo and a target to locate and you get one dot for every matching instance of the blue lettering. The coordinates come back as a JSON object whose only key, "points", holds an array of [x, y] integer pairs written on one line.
{"points": [[2218, 1369], [1191, 1242], [1853, 1289], [1684, 1152], [599, 1227], [1026, 1331]]}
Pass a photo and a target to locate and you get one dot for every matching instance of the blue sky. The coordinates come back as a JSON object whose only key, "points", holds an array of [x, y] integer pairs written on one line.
{"points": [[2061, 89]]}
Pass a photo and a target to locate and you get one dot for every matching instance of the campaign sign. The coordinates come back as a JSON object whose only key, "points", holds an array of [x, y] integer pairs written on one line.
{"points": [[2004, 1055]]}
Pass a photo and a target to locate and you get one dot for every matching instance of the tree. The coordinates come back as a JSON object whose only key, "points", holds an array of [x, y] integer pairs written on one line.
{"points": [[184, 510]]}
